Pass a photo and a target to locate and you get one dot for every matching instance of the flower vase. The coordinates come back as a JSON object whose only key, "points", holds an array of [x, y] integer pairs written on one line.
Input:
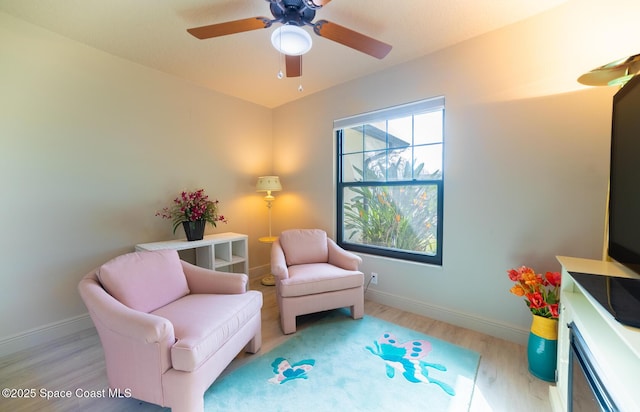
{"points": [[194, 229], [542, 348]]}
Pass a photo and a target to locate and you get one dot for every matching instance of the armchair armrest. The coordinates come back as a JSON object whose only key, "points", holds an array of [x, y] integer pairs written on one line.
{"points": [[278, 262], [116, 317], [342, 258], [136, 344], [202, 280]]}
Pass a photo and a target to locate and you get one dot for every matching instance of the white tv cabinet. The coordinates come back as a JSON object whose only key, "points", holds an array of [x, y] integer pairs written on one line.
{"points": [[227, 252], [615, 347]]}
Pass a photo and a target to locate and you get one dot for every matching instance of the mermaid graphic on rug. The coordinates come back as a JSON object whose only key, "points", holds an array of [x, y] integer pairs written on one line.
{"points": [[407, 359], [285, 371]]}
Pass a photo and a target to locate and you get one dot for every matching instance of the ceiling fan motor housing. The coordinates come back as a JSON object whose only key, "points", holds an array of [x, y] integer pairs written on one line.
{"points": [[295, 12]]}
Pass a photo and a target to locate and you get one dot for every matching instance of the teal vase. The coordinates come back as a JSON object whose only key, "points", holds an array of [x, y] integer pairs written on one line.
{"points": [[542, 348]]}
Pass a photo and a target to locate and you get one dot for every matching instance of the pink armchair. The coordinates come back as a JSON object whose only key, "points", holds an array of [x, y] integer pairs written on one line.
{"points": [[314, 274], [169, 328]]}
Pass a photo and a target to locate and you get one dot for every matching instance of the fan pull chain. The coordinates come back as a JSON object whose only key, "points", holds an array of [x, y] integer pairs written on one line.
{"points": [[300, 89], [280, 75]]}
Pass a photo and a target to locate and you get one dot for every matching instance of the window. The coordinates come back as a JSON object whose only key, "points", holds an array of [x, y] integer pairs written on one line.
{"points": [[390, 181]]}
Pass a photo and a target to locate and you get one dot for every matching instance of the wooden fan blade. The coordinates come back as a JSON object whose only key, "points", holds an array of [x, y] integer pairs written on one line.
{"points": [[230, 27], [353, 39], [294, 65]]}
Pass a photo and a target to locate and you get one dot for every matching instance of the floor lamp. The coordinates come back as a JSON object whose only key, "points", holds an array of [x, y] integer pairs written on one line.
{"points": [[268, 184]]}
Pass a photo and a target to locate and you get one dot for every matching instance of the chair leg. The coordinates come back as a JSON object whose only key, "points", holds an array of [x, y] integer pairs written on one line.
{"points": [[357, 310], [254, 344], [190, 403], [288, 324]]}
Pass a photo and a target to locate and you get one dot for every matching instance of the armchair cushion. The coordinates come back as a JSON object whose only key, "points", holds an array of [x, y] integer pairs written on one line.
{"points": [[311, 279], [304, 246], [203, 323], [145, 281]]}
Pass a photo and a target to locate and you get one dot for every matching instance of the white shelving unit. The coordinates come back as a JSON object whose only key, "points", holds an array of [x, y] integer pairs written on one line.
{"points": [[227, 252], [615, 347]]}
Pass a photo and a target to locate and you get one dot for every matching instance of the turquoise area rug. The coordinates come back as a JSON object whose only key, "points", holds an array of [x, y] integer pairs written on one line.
{"points": [[341, 364]]}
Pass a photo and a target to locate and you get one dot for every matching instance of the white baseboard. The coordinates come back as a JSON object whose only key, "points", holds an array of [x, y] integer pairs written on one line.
{"points": [[259, 271], [55, 330], [44, 334], [461, 319]]}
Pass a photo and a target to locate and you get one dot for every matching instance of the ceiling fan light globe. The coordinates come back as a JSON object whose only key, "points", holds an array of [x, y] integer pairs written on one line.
{"points": [[291, 40]]}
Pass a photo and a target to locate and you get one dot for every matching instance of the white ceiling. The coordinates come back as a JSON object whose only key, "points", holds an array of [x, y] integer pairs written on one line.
{"points": [[153, 33]]}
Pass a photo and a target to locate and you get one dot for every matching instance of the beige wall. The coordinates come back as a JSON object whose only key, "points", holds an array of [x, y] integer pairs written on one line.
{"points": [[91, 146], [526, 160]]}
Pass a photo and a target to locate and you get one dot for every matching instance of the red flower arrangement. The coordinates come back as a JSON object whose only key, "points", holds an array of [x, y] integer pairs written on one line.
{"points": [[190, 207], [542, 294]]}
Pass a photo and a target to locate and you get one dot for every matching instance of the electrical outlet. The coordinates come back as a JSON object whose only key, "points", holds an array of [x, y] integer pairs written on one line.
{"points": [[374, 278]]}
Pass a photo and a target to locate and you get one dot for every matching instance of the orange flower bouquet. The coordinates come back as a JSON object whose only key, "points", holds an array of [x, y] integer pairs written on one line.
{"points": [[542, 294]]}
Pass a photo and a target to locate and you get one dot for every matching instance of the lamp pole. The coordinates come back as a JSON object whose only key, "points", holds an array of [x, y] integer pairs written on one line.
{"points": [[269, 199], [268, 184]]}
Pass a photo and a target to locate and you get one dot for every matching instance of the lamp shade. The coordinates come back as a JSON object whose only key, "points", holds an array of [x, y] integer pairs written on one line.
{"points": [[268, 184], [291, 40]]}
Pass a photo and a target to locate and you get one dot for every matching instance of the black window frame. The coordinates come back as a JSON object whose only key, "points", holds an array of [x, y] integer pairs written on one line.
{"points": [[382, 115]]}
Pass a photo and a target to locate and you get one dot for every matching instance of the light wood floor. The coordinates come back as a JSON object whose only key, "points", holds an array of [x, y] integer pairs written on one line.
{"points": [[503, 383]]}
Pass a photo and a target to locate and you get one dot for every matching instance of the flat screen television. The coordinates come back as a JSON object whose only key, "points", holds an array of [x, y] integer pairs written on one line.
{"points": [[624, 184], [620, 295]]}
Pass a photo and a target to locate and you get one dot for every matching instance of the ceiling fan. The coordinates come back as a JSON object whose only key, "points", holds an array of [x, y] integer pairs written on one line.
{"points": [[293, 14]]}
